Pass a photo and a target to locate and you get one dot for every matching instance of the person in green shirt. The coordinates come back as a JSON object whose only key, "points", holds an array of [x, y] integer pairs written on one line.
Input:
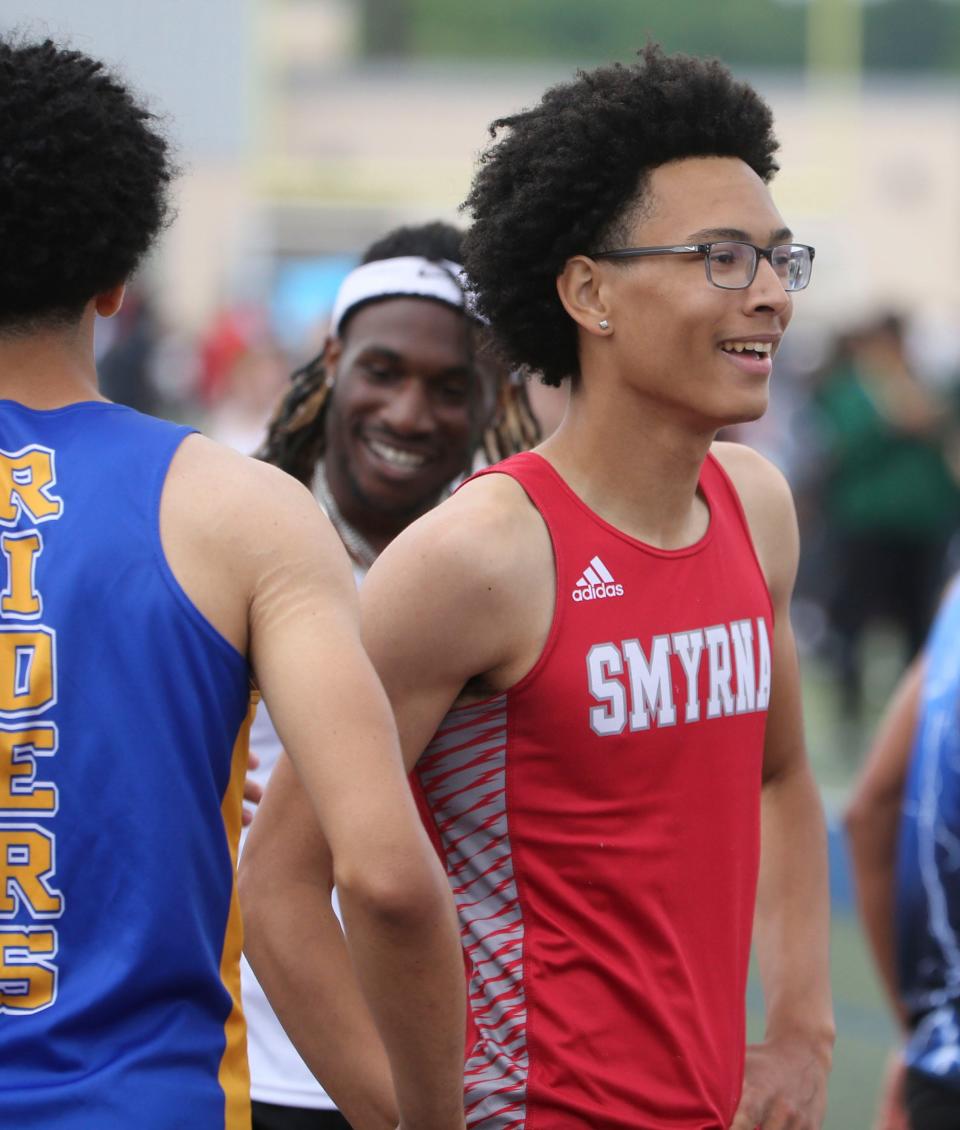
{"points": [[888, 495]]}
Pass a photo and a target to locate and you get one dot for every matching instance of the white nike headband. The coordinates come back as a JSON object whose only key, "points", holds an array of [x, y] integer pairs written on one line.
{"points": [[407, 276]]}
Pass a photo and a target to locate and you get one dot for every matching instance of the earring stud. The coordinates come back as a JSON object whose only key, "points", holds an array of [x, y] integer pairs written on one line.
{"points": [[604, 325]]}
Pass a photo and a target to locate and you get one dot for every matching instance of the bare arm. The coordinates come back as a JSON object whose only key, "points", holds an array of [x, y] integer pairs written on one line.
{"points": [[792, 921], [294, 942], [333, 719], [461, 602], [872, 821], [786, 1074], [286, 870]]}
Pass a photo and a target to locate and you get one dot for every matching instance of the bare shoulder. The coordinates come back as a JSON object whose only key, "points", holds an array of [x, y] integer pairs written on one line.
{"points": [[768, 504], [217, 477], [482, 539], [759, 482], [477, 570], [232, 528], [239, 501]]}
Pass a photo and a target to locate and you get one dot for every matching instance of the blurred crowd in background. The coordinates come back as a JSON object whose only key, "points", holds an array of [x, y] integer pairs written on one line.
{"points": [[869, 440]]}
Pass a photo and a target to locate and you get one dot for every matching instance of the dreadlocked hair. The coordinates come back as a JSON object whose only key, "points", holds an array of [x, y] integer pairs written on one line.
{"points": [[295, 437], [515, 428], [294, 440]]}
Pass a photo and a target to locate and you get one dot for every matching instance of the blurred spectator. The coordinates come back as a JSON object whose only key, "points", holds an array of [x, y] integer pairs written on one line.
{"points": [[227, 339], [126, 363], [250, 386], [378, 424], [889, 499]]}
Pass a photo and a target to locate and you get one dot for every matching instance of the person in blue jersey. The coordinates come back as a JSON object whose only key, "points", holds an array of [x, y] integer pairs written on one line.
{"points": [[903, 824], [147, 578]]}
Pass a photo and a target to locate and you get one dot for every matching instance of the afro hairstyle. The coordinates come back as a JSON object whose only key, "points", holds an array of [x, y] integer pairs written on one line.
{"points": [[570, 175], [84, 175]]}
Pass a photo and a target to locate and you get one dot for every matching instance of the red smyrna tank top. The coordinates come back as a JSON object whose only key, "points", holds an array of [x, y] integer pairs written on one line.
{"points": [[599, 823]]}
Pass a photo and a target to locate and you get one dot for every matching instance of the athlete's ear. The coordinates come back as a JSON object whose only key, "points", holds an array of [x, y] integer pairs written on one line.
{"points": [[332, 352], [108, 302], [581, 290]]}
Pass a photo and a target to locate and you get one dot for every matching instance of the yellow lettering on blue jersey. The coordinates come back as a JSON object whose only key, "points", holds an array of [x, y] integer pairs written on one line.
{"points": [[20, 598], [27, 683], [28, 983], [26, 477], [21, 793], [28, 973], [26, 867]]}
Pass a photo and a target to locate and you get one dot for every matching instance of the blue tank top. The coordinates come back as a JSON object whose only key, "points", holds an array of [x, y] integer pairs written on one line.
{"points": [[122, 753], [928, 865]]}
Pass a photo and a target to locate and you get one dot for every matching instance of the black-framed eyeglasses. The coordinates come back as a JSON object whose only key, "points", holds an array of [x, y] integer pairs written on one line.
{"points": [[732, 264]]}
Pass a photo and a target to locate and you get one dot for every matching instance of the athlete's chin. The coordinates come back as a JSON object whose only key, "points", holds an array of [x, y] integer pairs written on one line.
{"points": [[748, 414], [746, 405], [395, 498], [708, 420]]}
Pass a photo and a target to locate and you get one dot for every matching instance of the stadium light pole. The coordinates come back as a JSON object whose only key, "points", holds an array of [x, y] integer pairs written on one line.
{"points": [[835, 39], [834, 69]]}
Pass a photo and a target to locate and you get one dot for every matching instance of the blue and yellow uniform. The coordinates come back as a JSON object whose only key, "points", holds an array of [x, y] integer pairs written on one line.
{"points": [[122, 753], [928, 863]]}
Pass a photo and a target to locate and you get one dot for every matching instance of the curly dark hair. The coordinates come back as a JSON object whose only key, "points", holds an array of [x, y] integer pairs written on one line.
{"points": [[570, 176], [296, 438], [84, 175], [435, 240]]}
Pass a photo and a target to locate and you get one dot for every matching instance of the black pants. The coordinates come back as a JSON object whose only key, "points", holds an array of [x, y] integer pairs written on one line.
{"points": [[266, 1116], [880, 576], [931, 1105]]}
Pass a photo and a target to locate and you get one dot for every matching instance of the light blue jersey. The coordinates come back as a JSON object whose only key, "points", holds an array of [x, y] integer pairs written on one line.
{"points": [[122, 727], [928, 869]]}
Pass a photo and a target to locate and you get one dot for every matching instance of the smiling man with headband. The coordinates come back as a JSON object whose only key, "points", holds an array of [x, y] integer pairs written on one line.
{"points": [[410, 276], [378, 425], [405, 390]]}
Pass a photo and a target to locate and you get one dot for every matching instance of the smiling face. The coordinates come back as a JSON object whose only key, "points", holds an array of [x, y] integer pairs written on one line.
{"points": [[406, 410], [675, 337]]}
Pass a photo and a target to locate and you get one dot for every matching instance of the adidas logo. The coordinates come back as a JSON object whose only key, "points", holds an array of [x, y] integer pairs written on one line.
{"points": [[596, 583]]}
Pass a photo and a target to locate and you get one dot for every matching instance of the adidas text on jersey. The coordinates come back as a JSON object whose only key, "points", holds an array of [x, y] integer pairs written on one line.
{"points": [[596, 583]]}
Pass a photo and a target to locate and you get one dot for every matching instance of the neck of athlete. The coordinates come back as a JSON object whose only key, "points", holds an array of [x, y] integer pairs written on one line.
{"points": [[634, 461], [375, 529], [53, 367]]}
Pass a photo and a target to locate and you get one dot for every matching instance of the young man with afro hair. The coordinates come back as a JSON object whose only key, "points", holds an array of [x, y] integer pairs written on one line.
{"points": [[588, 647], [146, 577]]}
